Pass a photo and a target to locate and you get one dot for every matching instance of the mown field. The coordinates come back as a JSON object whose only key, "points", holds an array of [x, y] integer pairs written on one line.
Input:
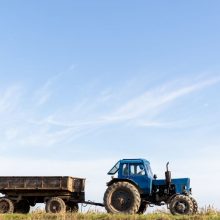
{"points": [[202, 215]]}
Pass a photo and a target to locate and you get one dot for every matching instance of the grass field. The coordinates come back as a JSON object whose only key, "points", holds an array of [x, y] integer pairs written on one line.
{"points": [[203, 215]]}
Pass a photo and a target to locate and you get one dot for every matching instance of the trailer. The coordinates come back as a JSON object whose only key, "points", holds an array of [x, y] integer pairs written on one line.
{"points": [[59, 193]]}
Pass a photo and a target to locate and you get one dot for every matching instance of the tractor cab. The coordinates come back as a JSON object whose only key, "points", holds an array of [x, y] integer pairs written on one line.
{"points": [[137, 171]]}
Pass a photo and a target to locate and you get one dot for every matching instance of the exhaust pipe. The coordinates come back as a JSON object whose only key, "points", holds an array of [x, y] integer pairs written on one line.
{"points": [[168, 175]]}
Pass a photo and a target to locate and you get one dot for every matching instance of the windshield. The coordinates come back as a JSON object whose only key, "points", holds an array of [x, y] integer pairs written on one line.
{"points": [[149, 171], [114, 169]]}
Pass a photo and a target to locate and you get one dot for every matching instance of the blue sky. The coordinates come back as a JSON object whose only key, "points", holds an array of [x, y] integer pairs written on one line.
{"points": [[86, 83]]}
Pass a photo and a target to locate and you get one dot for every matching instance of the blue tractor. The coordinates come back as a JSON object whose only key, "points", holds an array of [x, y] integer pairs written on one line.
{"points": [[135, 187]]}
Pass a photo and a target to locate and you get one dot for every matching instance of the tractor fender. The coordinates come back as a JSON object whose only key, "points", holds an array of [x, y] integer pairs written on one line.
{"points": [[124, 180], [171, 197]]}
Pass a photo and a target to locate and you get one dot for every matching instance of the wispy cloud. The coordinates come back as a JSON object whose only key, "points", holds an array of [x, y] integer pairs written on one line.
{"points": [[146, 105], [10, 98], [155, 100], [43, 94], [32, 128]]}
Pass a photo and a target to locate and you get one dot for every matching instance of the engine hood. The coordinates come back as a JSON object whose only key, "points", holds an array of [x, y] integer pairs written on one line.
{"points": [[181, 184]]}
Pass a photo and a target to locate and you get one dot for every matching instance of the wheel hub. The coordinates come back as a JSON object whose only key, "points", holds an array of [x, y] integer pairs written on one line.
{"points": [[55, 207], [120, 200], [180, 207]]}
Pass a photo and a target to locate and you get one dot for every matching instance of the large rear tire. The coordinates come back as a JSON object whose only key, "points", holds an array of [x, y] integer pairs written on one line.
{"points": [[122, 197], [181, 205], [6, 206], [55, 205]]}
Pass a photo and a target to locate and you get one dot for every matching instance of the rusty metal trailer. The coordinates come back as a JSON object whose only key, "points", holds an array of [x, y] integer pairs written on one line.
{"points": [[59, 193]]}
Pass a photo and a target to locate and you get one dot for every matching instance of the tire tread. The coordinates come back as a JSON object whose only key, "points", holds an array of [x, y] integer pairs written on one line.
{"points": [[112, 188]]}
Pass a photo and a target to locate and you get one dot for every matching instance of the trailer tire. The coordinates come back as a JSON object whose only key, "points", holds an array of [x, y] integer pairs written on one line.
{"points": [[122, 197], [55, 205], [22, 207], [195, 205], [181, 205], [6, 206], [142, 209]]}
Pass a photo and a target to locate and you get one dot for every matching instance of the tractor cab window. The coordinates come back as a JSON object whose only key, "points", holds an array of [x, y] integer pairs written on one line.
{"points": [[137, 169], [125, 170], [114, 169]]}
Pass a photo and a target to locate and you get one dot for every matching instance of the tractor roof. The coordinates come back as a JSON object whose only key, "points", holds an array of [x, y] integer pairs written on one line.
{"points": [[136, 160]]}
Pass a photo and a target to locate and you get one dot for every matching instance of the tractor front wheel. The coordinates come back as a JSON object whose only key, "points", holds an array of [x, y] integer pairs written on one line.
{"points": [[122, 197], [181, 205], [195, 205]]}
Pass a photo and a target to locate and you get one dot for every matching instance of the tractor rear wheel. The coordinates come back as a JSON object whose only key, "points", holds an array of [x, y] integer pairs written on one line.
{"points": [[181, 205], [6, 206], [55, 205], [122, 197], [195, 205]]}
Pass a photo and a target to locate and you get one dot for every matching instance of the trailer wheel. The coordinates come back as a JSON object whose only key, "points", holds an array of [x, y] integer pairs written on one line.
{"points": [[142, 209], [22, 207], [6, 206], [122, 197], [195, 205], [181, 205], [72, 207], [55, 205]]}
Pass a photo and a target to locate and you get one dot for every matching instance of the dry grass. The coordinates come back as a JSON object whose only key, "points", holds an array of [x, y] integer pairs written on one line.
{"points": [[204, 214]]}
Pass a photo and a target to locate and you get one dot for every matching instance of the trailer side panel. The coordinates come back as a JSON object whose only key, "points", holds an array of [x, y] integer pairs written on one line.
{"points": [[44, 183]]}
